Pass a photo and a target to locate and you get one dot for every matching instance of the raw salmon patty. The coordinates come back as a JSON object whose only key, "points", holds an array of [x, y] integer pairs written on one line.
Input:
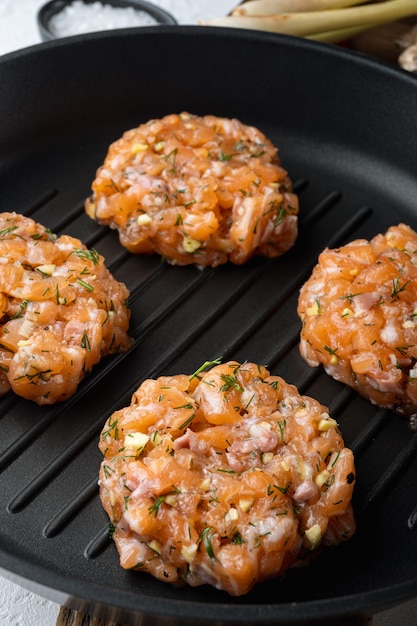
{"points": [[203, 190], [61, 311], [359, 312], [227, 477]]}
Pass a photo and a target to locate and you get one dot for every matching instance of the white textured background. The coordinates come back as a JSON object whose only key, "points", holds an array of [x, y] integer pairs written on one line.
{"points": [[19, 607], [18, 18]]}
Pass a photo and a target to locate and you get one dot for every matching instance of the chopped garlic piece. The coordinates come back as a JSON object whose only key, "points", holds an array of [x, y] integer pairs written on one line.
{"points": [[267, 457], [190, 245], [347, 312], [24, 342], [231, 516], [409, 324], [322, 478], [333, 360], [245, 504], [189, 552], [285, 466], [48, 269], [205, 484], [139, 147], [159, 145], [412, 373], [144, 219], [354, 272], [326, 424], [313, 310], [313, 535], [171, 500], [155, 546], [136, 440]]}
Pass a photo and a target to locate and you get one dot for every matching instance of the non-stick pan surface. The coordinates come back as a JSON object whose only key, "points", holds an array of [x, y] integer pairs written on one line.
{"points": [[347, 131]]}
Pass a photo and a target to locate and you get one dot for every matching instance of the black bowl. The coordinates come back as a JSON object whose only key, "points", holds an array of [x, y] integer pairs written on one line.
{"points": [[52, 8]]}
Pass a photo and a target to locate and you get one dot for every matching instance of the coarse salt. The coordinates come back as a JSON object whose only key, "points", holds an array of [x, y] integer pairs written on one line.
{"points": [[79, 18]]}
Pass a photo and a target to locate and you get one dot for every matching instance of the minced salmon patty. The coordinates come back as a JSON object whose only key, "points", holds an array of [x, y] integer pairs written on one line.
{"points": [[227, 477], [61, 311], [359, 312], [203, 190]]}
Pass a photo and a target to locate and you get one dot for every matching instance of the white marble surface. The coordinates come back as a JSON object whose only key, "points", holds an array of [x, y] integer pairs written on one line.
{"points": [[18, 29]]}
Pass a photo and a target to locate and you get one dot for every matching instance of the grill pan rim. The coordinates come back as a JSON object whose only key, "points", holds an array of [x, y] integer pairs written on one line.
{"points": [[33, 574], [62, 590]]}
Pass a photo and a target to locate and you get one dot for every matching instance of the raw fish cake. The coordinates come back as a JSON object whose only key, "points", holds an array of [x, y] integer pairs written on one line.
{"points": [[196, 190], [61, 311], [227, 477], [359, 312]]}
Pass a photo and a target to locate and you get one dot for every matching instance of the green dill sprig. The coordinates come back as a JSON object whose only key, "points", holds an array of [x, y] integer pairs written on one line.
{"points": [[21, 311], [171, 155], [331, 351], [237, 538], [205, 365], [157, 502], [85, 285], [187, 422], [91, 255], [230, 382], [113, 427], [283, 490], [281, 426], [85, 342], [7, 231], [397, 288], [349, 296], [39, 374], [205, 537]]}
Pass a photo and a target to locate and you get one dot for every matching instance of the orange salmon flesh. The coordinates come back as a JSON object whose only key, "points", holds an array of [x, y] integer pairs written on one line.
{"points": [[227, 477], [196, 190]]}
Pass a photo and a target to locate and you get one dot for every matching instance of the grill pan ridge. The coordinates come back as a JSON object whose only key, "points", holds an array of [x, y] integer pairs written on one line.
{"points": [[354, 170]]}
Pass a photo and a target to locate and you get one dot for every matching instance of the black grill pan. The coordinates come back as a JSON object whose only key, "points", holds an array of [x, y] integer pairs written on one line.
{"points": [[346, 127]]}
